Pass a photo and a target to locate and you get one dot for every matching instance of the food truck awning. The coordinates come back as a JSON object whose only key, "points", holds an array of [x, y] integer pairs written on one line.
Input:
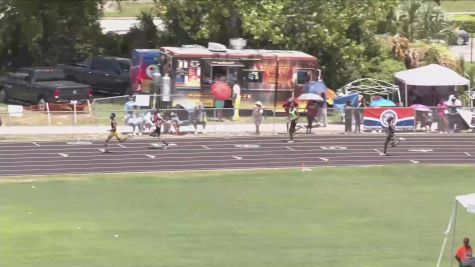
{"points": [[225, 63]]}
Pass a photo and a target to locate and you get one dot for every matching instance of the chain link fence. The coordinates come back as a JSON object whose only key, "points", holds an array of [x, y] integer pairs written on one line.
{"points": [[186, 119]]}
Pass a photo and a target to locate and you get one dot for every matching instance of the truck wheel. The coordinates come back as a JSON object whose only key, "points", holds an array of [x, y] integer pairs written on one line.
{"points": [[41, 103], [3, 96]]}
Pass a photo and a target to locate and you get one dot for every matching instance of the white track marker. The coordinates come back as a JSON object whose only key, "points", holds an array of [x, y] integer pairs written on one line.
{"points": [[423, 150], [151, 156], [206, 147], [121, 145], [414, 161], [36, 144], [324, 159], [468, 154], [63, 155], [379, 152], [289, 148], [172, 144], [238, 158], [102, 150]]}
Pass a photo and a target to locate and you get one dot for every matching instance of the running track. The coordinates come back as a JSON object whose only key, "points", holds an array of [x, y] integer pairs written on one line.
{"points": [[224, 153]]}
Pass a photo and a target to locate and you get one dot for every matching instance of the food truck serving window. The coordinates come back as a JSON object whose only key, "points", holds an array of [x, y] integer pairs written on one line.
{"points": [[304, 76], [253, 76], [188, 73]]}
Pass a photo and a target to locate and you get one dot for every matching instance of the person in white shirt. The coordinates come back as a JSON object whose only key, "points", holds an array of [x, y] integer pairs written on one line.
{"points": [[237, 100]]}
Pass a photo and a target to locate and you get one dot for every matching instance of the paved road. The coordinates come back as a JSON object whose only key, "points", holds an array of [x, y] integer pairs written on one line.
{"points": [[464, 50], [215, 153]]}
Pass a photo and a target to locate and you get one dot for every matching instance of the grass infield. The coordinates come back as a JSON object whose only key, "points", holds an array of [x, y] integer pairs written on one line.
{"points": [[373, 217]]}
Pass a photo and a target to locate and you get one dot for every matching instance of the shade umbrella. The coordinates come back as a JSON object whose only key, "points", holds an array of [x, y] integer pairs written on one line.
{"points": [[310, 96], [316, 87], [421, 108], [221, 90], [382, 103]]}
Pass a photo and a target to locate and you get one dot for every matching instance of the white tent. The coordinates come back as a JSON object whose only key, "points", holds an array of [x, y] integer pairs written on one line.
{"points": [[371, 87], [431, 75], [466, 201]]}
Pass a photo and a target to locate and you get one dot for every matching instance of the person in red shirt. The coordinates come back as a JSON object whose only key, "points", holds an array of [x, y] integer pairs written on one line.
{"points": [[464, 252]]}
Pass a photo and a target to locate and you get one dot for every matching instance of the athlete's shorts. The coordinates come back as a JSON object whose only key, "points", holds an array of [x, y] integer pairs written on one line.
{"points": [[116, 135], [158, 131]]}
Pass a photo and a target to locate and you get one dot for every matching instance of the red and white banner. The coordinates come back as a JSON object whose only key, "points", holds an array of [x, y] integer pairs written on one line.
{"points": [[376, 118]]}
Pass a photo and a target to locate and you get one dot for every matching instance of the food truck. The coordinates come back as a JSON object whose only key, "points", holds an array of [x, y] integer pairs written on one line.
{"points": [[145, 62], [269, 76]]}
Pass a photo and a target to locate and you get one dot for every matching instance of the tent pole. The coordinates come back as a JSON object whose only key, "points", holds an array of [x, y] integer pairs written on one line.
{"points": [[405, 95], [470, 95], [399, 95], [452, 251], [446, 234]]}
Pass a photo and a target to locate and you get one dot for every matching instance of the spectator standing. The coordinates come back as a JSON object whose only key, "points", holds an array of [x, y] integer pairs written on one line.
{"points": [[357, 115], [323, 112], [236, 100], [442, 116], [453, 104], [129, 107], [257, 115], [464, 252], [311, 114], [348, 117]]}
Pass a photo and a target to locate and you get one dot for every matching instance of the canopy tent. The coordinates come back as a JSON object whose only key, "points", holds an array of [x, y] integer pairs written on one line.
{"points": [[466, 201], [370, 87], [431, 75]]}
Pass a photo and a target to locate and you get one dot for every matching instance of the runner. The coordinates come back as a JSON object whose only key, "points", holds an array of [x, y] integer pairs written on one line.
{"points": [[158, 121], [113, 133], [293, 118], [391, 138]]}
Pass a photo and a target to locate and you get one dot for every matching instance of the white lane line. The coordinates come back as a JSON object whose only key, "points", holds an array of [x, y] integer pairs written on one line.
{"points": [[468, 154], [423, 150], [414, 161], [324, 159], [322, 141], [121, 145], [187, 155], [220, 164], [36, 144], [151, 156], [238, 158], [289, 148], [64, 155], [206, 147]]}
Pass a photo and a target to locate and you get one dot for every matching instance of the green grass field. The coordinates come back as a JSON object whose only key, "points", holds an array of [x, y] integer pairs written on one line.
{"points": [[370, 217], [458, 6]]}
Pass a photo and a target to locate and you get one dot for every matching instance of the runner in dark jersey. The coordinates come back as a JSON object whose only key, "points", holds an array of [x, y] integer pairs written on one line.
{"points": [[158, 121], [113, 133], [390, 138]]}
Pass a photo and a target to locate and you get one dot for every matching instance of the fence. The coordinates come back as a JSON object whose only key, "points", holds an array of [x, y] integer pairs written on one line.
{"points": [[221, 120]]}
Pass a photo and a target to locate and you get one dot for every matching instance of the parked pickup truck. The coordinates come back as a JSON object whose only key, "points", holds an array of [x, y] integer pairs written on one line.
{"points": [[104, 74], [41, 85]]}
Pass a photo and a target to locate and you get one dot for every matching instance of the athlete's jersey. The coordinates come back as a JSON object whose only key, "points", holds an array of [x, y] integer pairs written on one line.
{"points": [[113, 125], [158, 120], [391, 130], [293, 113]]}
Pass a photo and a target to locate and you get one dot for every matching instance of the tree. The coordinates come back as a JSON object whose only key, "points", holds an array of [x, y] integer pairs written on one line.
{"points": [[423, 20], [48, 31]]}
